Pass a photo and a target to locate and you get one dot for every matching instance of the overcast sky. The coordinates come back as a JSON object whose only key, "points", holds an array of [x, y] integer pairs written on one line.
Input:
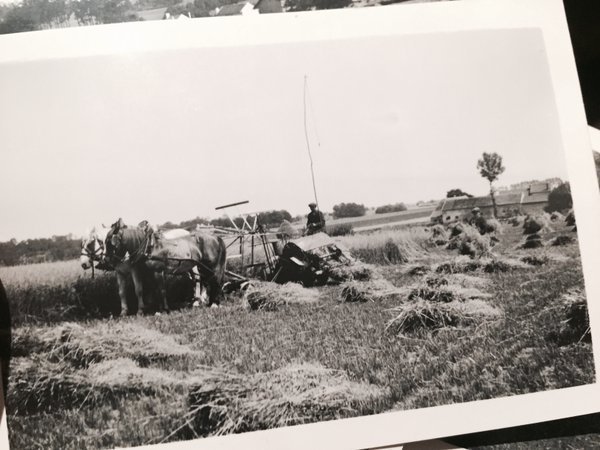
{"points": [[172, 135]]}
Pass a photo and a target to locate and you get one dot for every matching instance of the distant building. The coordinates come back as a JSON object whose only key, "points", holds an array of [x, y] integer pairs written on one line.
{"points": [[248, 8], [553, 182], [530, 200], [536, 197]]}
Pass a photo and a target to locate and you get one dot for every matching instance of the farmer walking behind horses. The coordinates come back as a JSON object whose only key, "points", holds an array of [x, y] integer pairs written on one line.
{"points": [[316, 220]]}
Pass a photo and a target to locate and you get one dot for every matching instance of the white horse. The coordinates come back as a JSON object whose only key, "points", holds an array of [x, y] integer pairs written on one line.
{"points": [[93, 247]]}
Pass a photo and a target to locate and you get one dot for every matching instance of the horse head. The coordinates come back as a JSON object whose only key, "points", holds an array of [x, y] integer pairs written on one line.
{"points": [[93, 248], [114, 238]]}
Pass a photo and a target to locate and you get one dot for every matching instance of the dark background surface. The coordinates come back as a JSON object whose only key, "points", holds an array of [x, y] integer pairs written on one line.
{"points": [[584, 25], [583, 431]]}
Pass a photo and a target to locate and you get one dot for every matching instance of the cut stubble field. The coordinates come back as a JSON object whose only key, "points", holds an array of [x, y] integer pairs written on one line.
{"points": [[428, 328]]}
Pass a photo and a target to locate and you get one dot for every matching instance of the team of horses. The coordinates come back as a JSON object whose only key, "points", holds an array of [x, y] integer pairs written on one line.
{"points": [[146, 256]]}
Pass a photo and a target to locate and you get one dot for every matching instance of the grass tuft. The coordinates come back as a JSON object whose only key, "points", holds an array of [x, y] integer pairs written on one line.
{"points": [[561, 240]]}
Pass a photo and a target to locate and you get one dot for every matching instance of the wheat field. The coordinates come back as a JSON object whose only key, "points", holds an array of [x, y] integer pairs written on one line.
{"points": [[426, 327]]}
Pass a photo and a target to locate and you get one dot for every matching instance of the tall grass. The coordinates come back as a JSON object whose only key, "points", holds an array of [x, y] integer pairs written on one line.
{"points": [[43, 274], [387, 246], [59, 291], [52, 292]]}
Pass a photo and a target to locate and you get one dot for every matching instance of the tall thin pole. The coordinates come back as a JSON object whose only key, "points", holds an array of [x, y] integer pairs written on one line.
{"points": [[312, 172]]}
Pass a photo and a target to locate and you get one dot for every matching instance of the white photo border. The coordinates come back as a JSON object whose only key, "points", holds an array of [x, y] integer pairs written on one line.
{"points": [[545, 15]]}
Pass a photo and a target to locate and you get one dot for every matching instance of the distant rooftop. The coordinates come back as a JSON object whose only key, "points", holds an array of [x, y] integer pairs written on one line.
{"points": [[538, 187], [533, 193], [538, 197]]}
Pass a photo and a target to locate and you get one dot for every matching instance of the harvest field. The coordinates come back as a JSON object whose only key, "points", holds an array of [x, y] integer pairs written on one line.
{"points": [[385, 219], [412, 324]]}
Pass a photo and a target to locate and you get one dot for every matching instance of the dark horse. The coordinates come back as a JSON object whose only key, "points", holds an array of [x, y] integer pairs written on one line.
{"points": [[127, 262], [142, 250]]}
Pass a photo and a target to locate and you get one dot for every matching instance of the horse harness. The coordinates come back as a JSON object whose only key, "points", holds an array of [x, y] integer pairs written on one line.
{"points": [[96, 254], [144, 252]]}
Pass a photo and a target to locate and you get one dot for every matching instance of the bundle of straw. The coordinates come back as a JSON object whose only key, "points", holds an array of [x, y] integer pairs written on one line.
{"points": [[417, 269], [499, 264], [357, 270], [38, 385], [368, 291], [470, 242], [426, 315], [296, 394], [269, 296], [576, 325], [458, 265], [570, 219], [538, 224], [532, 241], [561, 240], [535, 260], [103, 340], [445, 290]]}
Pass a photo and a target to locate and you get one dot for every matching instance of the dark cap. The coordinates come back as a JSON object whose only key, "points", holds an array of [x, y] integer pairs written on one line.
{"points": [[312, 205]]}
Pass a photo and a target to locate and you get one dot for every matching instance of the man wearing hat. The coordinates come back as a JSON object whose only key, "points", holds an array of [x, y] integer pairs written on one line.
{"points": [[475, 217], [316, 220], [478, 220]]}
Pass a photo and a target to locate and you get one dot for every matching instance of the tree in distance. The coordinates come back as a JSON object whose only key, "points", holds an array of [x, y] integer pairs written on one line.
{"points": [[308, 5], [490, 167], [457, 193], [391, 208], [348, 210], [274, 217], [560, 199]]}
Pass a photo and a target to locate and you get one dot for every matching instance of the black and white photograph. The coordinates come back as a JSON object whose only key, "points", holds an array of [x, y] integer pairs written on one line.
{"points": [[246, 233]]}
